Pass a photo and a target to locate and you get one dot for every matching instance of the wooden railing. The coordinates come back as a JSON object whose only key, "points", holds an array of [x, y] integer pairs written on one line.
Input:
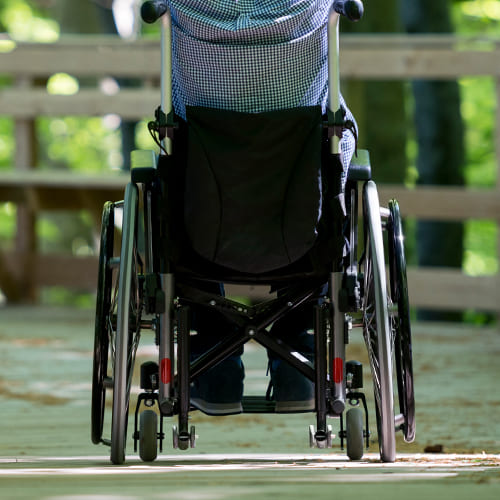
{"points": [[367, 57]]}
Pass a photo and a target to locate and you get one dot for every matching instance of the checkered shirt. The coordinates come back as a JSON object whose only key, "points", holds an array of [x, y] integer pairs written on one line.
{"points": [[251, 55]]}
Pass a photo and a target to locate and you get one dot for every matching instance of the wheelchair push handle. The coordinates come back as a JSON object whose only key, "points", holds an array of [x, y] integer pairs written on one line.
{"points": [[352, 9], [152, 10]]}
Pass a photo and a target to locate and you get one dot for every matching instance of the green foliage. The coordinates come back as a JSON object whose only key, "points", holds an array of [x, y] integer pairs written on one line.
{"points": [[478, 105], [480, 247], [7, 223], [82, 144], [476, 16], [23, 21], [7, 210], [6, 142], [478, 102]]}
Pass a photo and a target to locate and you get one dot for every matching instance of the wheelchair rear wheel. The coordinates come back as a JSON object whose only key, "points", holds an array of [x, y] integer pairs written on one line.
{"points": [[401, 321], [376, 326], [128, 317], [107, 278]]}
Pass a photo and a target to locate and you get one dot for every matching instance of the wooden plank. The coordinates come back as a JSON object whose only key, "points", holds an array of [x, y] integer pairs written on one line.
{"points": [[128, 103], [48, 190], [404, 64], [85, 56], [443, 202], [439, 288], [454, 41], [77, 273], [62, 179]]}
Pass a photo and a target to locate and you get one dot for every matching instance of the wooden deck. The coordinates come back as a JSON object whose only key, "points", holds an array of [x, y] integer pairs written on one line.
{"points": [[46, 452]]}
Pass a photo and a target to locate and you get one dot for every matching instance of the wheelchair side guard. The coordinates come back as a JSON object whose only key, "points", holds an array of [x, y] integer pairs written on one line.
{"points": [[143, 166], [349, 296], [360, 169]]}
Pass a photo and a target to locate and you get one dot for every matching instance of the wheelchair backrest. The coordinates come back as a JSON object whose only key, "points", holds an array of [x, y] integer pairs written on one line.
{"points": [[253, 195]]}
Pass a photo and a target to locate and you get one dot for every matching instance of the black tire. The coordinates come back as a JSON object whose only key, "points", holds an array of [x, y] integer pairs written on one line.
{"points": [[103, 320], [148, 433], [401, 322], [354, 433]]}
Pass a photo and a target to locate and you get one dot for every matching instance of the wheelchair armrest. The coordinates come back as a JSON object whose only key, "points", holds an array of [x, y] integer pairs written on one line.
{"points": [[143, 163], [360, 168]]}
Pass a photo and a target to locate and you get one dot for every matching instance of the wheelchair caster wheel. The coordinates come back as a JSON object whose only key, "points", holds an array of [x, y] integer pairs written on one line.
{"points": [[184, 440], [148, 436], [354, 433]]}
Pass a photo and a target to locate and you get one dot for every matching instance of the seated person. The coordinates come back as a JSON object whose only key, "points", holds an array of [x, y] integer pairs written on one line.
{"points": [[252, 56]]}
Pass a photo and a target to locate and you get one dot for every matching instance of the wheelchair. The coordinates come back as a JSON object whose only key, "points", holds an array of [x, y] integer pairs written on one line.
{"points": [[158, 248]]}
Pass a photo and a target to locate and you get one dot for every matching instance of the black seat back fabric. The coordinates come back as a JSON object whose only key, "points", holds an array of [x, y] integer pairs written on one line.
{"points": [[252, 197]]}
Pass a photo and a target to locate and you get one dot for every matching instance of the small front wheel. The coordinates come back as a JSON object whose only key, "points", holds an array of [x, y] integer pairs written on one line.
{"points": [[148, 436], [354, 433]]}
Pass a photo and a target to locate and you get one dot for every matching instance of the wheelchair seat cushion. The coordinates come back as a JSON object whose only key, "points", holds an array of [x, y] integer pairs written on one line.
{"points": [[252, 197]]}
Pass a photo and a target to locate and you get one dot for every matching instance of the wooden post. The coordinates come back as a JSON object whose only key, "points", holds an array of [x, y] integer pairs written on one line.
{"points": [[25, 243], [497, 185]]}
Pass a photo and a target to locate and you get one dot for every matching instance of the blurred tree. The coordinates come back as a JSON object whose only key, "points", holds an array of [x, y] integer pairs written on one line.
{"points": [[85, 16], [440, 138], [96, 17], [379, 106]]}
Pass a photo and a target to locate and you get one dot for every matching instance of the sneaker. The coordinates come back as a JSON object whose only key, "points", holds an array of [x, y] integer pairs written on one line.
{"points": [[291, 390], [220, 390]]}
